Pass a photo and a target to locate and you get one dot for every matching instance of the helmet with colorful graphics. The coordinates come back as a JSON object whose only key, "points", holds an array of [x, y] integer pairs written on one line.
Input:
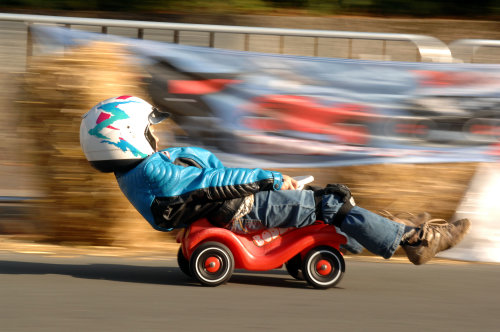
{"points": [[115, 134]]}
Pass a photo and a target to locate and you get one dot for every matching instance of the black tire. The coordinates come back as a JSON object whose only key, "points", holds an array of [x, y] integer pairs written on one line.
{"points": [[183, 263], [212, 264], [323, 267], [293, 267]]}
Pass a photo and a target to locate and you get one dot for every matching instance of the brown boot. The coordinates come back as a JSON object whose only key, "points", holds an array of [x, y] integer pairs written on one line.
{"points": [[433, 236]]}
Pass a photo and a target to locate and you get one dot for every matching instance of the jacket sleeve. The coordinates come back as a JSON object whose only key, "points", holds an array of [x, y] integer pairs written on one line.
{"points": [[219, 183], [228, 183]]}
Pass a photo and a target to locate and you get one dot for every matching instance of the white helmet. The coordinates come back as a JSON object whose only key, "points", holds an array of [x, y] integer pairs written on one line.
{"points": [[115, 134]]}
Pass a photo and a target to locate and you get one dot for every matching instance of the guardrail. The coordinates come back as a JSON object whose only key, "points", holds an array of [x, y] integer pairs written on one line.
{"points": [[466, 49], [429, 49], [14, 199], [16, 215]]}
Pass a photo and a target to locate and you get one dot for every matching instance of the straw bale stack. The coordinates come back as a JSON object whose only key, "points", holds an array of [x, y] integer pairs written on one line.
{"points": [[82, 205], [401, 188]]}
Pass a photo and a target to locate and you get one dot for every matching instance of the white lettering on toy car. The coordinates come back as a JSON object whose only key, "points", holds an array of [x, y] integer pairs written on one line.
{"points": [[268, 236]]}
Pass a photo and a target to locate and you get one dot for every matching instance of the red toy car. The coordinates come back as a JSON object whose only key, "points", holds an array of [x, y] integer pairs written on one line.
{"points": [[210, 254]]}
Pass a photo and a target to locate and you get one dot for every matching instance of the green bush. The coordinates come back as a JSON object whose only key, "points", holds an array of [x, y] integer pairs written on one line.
{"points": [[423, 8]]}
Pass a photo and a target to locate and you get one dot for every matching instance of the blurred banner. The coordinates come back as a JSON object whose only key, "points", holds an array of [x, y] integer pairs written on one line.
{"points": [[286, 111]]}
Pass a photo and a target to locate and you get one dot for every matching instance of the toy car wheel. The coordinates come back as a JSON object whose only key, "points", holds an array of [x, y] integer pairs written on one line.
{"points": [[212, 264], [323, 267], [183, 263], [293, 267]]}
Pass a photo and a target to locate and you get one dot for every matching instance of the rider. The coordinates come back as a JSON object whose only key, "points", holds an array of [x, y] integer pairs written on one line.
{"points": [[176, 186]]}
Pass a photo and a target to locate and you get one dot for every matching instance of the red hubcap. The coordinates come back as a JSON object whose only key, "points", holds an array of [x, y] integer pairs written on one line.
{"points": [[212, 264], [323, 267]]}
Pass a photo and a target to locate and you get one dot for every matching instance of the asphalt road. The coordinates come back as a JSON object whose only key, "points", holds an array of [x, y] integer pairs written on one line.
{"points": [[84, 293]]}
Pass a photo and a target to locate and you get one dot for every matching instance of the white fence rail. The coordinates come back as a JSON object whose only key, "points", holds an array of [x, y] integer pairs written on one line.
{"points": [[429, 49], [466, 49]]}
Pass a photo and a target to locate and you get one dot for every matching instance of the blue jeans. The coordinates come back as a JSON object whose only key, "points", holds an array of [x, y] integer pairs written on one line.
{"points": [[296, 208]]}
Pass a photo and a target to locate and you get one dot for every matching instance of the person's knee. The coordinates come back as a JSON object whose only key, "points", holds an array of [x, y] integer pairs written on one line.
{"points": [[340, 191]]}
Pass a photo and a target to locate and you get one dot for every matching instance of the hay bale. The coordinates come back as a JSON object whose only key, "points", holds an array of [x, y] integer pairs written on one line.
{"points": [[401, 188], [82, 206]]}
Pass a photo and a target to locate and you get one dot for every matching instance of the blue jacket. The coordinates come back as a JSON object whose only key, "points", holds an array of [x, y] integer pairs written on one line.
{"points": [[177, 186]]}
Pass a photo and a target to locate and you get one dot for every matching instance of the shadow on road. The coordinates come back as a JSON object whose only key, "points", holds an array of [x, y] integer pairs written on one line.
{"points": [[274, 278], [113, 272], [145, 274]]}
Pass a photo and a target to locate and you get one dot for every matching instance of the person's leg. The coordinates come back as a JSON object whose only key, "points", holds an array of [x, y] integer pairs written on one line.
{"points": [[352, 245], [377, 234], [421, 243], [297, 208], [285, 208], [381, 236]]}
